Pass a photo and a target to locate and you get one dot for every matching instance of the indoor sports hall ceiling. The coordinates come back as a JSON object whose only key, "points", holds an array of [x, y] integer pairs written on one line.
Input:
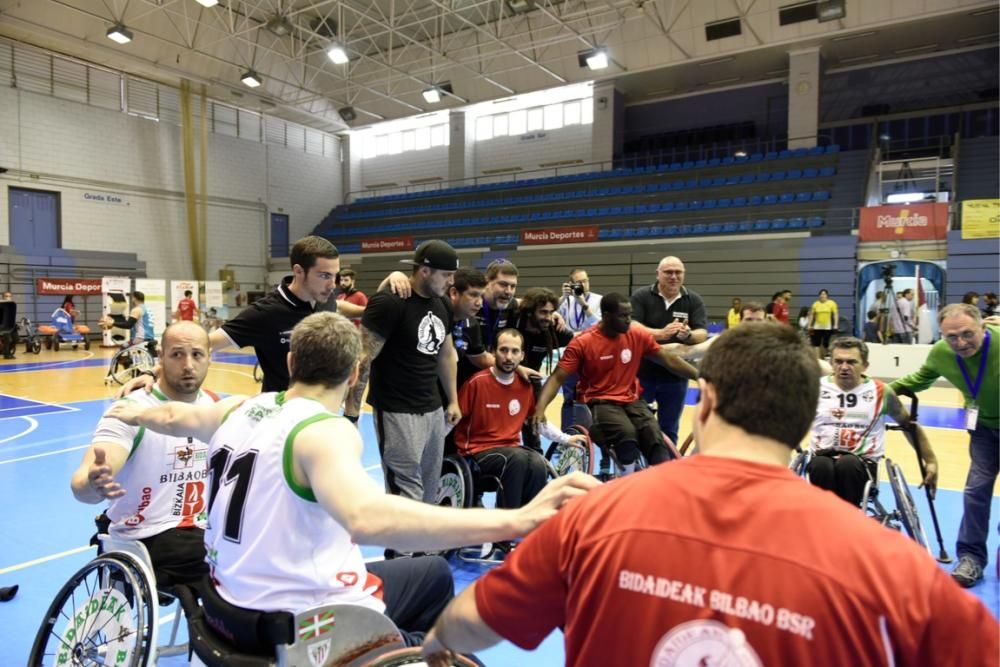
{"points": [[486, 49]]}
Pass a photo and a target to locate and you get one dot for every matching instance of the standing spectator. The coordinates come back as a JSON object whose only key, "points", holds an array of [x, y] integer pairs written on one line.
{"points": [[187, 309], [465, 298], [971, 298], [726, 558], [769, 308], [408, 348], [871, 332], [803, 320], [672, 314], [901, 318], [968, 356], [780, 308], [350, 294], [735, 313], [580, 309], [989, 304], [140, 320], [823, 321], [499, 309]]}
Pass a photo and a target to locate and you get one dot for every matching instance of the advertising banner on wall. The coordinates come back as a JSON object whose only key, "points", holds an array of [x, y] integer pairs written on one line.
{"points": [[904, 222], [559, 235], [392, 244], [114, 290], [72, 286], [213, 294], [981, 218], [177, 289], [155, 292]]}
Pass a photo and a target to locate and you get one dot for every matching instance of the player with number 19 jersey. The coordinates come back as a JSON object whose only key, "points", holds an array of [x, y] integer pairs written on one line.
{"points": [[850, 421], [270, 545]]}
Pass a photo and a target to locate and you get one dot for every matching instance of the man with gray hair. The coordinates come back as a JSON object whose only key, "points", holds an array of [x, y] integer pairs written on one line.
{"points": [[968, 356]]}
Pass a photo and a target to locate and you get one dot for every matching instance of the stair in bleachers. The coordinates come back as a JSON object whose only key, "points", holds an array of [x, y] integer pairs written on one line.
{"points": [[977, 171]]}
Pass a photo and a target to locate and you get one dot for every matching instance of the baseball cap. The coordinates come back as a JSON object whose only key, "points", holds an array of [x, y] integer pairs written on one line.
{"points": [[434, 254]]}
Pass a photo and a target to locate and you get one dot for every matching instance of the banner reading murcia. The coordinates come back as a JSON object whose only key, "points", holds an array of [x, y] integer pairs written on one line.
{"points": [[980, 218], [71, 286], [904, 222], [395, 243], [559, 235]]}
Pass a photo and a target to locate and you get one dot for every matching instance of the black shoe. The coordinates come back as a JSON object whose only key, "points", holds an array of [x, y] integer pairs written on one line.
{"points": [[968, 572], [7, 593]]}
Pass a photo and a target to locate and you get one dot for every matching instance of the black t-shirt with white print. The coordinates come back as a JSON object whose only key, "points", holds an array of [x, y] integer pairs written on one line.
{"points": [[404, 374]]}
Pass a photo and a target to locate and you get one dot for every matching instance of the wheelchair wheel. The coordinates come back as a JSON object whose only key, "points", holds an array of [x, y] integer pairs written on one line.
{"points": [[455, 487], [102, 616], [565, 459], [800, 463], [671, 448], [34, 346], [86, 343], [258, 375], [412, 656], [129, 363], [905, 506]]}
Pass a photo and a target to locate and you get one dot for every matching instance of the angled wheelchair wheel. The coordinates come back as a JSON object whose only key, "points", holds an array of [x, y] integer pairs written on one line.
{"points": [[130, 362], [565, 459], [413, 656], [35, 346], [671, 448], [102, 616], [905, 507]]}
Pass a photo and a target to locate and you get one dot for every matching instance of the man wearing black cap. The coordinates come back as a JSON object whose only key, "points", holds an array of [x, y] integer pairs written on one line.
{"points": [[407, 348]]}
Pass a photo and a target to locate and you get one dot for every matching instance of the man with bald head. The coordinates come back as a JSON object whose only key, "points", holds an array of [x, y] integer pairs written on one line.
{"points": [[157, 485], [672, 314]]}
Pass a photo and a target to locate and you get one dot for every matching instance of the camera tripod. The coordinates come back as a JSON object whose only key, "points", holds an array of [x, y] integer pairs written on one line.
{"points": [[888, 308]]}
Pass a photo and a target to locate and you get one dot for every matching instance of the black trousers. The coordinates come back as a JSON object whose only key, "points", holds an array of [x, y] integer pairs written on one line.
{"points": [[618, 424], [178, 556], [415, 592], [522, 474], [844, 474]]}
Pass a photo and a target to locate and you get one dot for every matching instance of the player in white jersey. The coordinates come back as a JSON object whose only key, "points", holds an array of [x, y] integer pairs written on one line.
{"points": [[847, 438], [157, 484], [293, 501]]}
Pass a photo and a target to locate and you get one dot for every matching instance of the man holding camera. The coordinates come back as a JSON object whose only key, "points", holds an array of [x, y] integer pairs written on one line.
{"points": [[673, 314], [580, 309]]}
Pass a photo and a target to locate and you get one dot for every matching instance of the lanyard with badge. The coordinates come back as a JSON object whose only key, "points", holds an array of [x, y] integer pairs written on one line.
{"points": [[972, 411]]}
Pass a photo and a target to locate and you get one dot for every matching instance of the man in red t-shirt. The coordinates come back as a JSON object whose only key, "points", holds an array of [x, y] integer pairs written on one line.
{"points": [[727, 557], [349, 294], [187, 309], [495, 403], [607, 356]]}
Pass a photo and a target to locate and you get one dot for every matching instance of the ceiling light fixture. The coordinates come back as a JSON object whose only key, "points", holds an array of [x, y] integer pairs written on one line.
{"points": [[347, 114], [337, 54], [433, 94], [207, 3], [119, 33], [857, 35], [594, 58], [250, 79]]}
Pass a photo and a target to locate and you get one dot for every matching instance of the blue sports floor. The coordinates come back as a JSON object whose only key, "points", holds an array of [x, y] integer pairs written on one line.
{"points": [[46, 531]]}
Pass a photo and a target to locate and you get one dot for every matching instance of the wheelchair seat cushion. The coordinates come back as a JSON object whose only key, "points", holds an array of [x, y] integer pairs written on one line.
{"points": [[248, 631]]}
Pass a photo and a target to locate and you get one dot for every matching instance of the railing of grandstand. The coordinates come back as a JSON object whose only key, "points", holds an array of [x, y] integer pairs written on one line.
{"points": [[706, 151]]}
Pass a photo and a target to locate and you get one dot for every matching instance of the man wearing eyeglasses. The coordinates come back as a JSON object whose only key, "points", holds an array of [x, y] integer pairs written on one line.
{"points": [[672, 314], [968, 356]]}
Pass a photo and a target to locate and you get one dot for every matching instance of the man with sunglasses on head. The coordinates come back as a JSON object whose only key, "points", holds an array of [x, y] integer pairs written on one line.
{"points": [[968, 356]]}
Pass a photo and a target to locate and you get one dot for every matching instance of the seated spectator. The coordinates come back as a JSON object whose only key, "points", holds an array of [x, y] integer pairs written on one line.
{"points": [[349, 293], [607, 358], [157, 485], [847, 438]]}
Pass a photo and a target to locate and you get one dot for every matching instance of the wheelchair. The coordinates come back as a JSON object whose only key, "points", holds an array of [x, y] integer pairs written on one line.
{"points": [[107, 613], [62, 331], [130, 362], [610, 466]]}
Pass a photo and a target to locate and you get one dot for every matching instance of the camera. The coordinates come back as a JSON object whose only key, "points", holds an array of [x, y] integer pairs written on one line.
{"points": [[577, 288], [887, 272]]}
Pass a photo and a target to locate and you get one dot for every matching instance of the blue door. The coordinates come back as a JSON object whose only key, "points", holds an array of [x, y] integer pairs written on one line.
{"points": [[34, 219], [279, 235]]}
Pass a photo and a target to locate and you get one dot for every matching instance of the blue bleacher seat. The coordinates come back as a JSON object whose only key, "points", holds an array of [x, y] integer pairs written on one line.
{"points": [[615, 210], [821, 195], [739, 201], [655, 230], [687, 164], [674, 185], [603, 233], [651, 187], [694, 205], [725, 202], [730, 227], [680, 206], [833, 148], [793, 174], [825, 172], [764, 177], [641, 209], [691, 184], [642, 231], [615, 234], [770, 199], [762, 225], [629, 232], [603, 211], [718, 181], [704, 182], [816, 150], [684, 230], [714, 228], [800, 152], [671, 231], [803, 197], [777, 176], [746, 226], [810, 172], [675, 166], [733, 180], [628, 210], [655, 208], [728, 160], [699, 229], [747, 179], [787, 198], [771, 155], [779, 223], [755, 200], [708, 203], [796, 223], [756, 157], [814, 222], [785, 154], [700, 164], [714, 162]]}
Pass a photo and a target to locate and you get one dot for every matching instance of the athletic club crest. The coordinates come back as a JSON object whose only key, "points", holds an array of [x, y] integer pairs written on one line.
{"points": [[626, 355], [514, 407], [430, 334]]}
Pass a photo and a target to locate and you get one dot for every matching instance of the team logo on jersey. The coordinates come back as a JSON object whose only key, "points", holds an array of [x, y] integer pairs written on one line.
{"points": [[144, 500], [838, 413], [626, 355], [825, 394], [347, 578], [430, 334], [704, 642], [190, 500], [514, 407], [285, 336], [868, 396], [188, 456]]}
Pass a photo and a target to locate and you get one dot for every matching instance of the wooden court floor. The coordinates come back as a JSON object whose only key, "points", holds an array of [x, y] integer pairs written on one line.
{"points": [[50, 403]]}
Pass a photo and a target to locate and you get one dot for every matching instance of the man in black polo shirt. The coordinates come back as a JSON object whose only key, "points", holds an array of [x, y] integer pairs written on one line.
{"points": [[408, 348], [673, 314], [499, 309], [464, 300]]}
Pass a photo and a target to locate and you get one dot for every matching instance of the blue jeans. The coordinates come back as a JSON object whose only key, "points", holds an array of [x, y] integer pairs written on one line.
{"points": [[984, 450], [669, 396], [569, 395]]}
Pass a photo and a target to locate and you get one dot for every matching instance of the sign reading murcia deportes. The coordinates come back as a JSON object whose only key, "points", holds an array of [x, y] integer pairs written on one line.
{"points": [[559, 235], [388, 244], [74, 286], [904, 222]]}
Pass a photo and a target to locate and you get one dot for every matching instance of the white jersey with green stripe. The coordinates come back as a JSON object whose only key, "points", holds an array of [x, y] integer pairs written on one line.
{"points": [[850, 421], [165, 478], [271, 546]]}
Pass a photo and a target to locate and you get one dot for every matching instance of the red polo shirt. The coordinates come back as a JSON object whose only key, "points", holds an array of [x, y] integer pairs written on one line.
{"points": [[607, 366]]}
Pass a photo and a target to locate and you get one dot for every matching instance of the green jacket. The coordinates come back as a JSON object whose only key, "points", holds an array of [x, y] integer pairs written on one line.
{"points": [[941, 362]]}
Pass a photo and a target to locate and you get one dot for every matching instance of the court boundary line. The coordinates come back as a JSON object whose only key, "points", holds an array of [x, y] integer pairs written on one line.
{"points": [[46, 365], [32, 425]]}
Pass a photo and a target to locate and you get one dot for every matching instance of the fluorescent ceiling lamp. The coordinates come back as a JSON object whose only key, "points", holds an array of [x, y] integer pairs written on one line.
{"points": [[119, 33], [905, 197], [432, 95], [598, 59], [337, 54], [207, 3], [250, 79]]}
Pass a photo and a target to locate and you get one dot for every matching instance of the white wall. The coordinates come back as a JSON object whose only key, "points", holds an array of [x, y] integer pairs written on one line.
{"points": [[74, 148], [403, 168], [566, 143]]}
